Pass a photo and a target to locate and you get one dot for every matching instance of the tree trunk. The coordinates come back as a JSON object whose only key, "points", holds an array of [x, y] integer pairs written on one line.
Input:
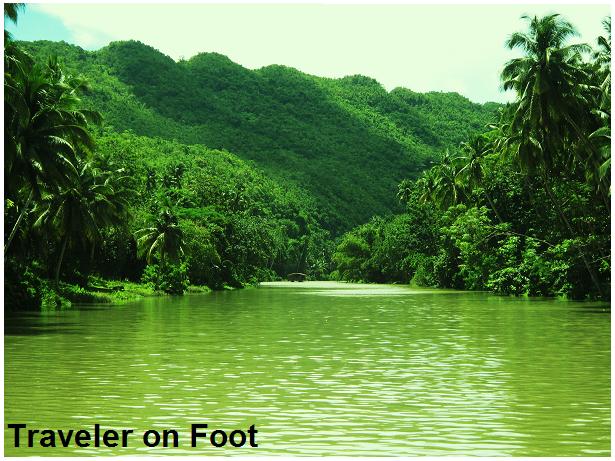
{"points": [[90, 263], [18, 222], [568, 225], [57, 274]]}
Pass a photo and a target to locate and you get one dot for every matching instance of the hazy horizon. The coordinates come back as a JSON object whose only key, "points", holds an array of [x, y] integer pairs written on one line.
{"points": [[441, 48]]}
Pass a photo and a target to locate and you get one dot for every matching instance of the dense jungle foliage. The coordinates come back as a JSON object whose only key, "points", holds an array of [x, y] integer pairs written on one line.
{"points": [[85, 204], [521, 209], [324, 135], [121, 164]]}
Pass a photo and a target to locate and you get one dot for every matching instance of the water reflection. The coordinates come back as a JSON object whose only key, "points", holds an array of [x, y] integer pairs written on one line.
{"points": [[325, 368]]}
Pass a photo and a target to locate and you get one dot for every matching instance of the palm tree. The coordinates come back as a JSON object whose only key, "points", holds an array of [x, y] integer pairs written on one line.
{"points": [[45, 131], [553, 102], [77, 212], [11, 11], [120, 188], [164, 237], [601, 137], [474, 152], [553, 95], [602, 58], [447, 191], [115, 190], [15, 59], [426, 185]]}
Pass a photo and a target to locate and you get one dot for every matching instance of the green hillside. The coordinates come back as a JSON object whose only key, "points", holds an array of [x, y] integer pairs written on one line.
{"points": [[347, 141], [210, 173]]}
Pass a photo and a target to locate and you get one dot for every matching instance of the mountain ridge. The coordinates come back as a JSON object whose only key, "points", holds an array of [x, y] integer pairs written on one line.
{"points": [[348, 141]]}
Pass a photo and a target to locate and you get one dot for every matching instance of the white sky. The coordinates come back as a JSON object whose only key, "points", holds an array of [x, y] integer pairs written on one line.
{"points": [[421, 47]]}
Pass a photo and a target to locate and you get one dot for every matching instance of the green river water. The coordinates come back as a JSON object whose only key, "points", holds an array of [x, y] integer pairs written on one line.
{"points": [[320, 368]]}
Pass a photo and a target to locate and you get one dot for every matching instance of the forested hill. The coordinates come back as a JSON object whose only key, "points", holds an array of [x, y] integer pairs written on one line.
{"points": [[347, 141]]}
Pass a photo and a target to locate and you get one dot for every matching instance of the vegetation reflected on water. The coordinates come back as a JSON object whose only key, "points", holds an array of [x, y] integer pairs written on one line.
{"points": [[322, 369]]}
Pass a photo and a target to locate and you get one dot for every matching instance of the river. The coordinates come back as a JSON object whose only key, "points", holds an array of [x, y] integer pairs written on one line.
{"points": [[321, 368]]}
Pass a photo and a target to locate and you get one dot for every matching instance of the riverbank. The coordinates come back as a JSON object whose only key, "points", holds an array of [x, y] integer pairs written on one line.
{"points": [[117, 292], [106, 292]]}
